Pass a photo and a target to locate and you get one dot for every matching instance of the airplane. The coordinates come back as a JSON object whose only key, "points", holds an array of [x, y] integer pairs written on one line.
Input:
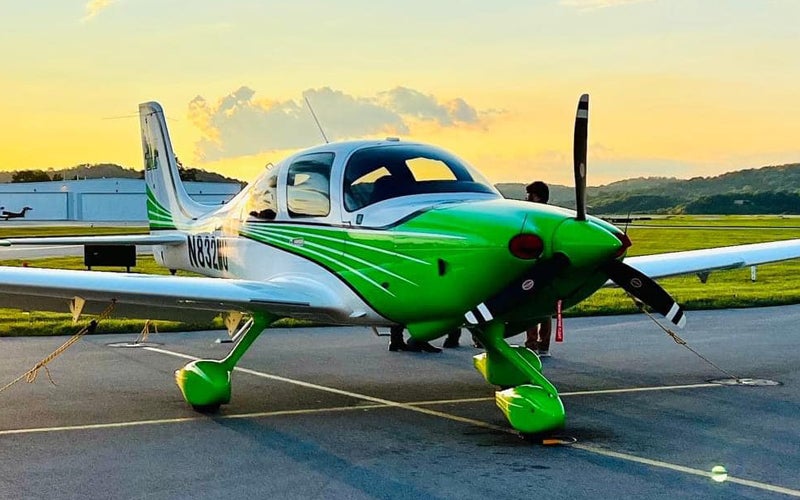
{"points": [[376, 233], [5, 215]]}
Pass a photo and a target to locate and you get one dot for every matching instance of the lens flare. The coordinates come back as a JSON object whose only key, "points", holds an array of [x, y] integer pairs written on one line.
{"points": [[719, 474]]}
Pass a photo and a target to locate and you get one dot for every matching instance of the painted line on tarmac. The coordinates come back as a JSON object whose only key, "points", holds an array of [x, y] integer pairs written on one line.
{"points": [[112, 425], [576, 393], [181, 420], [686, 470], [640, 389], [341, 392], [310, 411], [486, 425]]}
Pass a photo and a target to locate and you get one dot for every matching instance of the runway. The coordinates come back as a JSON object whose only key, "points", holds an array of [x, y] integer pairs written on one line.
{"points": [[330, 413]]}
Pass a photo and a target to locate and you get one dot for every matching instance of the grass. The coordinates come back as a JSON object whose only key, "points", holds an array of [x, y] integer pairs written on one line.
{"points": [[777, 284]]}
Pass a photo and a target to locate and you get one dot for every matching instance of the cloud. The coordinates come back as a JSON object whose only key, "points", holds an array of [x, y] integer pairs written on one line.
{"points": [[94, 7], [239, 124], [597, 4]]}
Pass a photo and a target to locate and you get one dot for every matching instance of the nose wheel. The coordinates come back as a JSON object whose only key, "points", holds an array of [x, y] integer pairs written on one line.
{"points": [[530, 402]]}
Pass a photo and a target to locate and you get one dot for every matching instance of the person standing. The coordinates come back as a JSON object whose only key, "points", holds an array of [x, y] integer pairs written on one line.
{"points": [[538, 337], [396, 342], [453, 336]]}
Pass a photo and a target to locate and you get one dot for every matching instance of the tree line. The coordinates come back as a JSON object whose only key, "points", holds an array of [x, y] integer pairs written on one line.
{"points": [[107, 171]]}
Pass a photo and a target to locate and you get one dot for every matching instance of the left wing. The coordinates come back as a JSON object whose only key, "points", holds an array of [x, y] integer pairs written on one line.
{"points": [[167, 297], [714, 259]]}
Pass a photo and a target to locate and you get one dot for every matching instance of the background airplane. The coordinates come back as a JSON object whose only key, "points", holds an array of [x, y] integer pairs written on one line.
{"points": [[5, 214], [375, 233]]}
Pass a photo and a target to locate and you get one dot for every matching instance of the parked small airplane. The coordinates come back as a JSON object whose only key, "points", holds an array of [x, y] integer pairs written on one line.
{"points": [[5, 214], [376, 233]]}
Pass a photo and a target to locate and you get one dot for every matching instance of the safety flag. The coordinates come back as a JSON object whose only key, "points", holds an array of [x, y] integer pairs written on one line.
{"points": [[559, 323]]}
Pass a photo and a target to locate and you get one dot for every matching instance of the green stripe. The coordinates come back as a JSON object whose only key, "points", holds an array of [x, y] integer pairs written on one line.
{"points": [[312, 255], [308, 241], [159, 217], [300, 231]]}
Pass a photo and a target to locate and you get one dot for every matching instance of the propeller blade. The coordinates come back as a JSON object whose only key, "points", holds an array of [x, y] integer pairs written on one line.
{"points": [[538, 276], [579, 154], [646, 290]]}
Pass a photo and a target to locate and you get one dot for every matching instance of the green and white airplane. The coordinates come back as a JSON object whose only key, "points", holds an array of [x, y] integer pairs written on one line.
{"points": [[376, 233]]}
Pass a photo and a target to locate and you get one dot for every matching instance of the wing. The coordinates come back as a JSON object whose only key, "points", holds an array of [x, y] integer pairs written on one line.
{"points": [[167, 297], [125, 239], [714, 259]]}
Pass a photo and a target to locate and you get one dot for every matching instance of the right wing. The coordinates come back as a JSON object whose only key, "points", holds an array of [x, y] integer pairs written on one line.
{"points": [[714, 259]]}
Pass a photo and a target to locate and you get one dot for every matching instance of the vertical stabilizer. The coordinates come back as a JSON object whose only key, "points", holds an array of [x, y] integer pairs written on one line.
{"points": [[168, 205]]}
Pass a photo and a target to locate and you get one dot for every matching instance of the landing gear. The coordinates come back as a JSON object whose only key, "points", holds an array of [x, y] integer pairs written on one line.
{"points": [[207, 409], [206, 383], [530, 403]]}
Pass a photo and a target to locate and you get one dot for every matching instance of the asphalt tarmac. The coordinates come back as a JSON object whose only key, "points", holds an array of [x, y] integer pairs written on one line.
{"points": [[330, 413]]}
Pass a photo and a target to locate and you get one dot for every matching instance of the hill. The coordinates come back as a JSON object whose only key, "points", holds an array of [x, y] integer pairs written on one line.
{"points": [[765, 190]]}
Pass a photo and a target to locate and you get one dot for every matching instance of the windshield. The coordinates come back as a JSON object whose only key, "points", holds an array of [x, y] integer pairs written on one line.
{"points": [[262, 202], [383, 172]]}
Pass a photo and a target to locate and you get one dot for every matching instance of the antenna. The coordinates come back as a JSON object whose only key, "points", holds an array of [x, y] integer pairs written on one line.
{"points": [[627, 221], [315, 119]]}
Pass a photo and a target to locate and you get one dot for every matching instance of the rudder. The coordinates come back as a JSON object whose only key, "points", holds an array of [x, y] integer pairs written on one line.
{"points": [[168, 204]]}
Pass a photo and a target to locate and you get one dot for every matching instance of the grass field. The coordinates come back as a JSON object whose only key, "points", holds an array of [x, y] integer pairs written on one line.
{"points": [[776, 283]]}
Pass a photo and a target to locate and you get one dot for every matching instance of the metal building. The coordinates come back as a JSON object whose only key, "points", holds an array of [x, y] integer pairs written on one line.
{"points": [[97, 199]]}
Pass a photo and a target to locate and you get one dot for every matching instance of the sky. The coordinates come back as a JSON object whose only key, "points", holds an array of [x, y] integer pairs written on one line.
{"points": [[678, 88]]}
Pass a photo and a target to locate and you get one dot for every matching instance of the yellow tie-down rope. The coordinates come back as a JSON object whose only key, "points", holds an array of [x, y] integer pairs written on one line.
{"points": [[146, 331], [30, 375]]}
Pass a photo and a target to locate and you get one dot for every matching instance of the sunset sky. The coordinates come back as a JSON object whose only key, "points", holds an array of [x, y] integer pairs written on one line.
{"points": [[678, 88]]}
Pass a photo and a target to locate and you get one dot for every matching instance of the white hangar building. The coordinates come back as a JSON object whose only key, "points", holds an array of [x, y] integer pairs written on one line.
{"points": [[98, 199]]}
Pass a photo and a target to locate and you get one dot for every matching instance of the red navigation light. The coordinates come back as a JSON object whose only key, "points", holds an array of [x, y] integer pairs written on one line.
{"points": [[526, 246], [626, 243]]}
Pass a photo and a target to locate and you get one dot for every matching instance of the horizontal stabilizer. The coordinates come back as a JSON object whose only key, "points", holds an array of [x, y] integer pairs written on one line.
{"points": [[126, 239]]}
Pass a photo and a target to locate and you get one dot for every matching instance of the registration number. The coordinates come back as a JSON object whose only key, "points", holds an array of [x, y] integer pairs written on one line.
{"points": [[207, 251]]}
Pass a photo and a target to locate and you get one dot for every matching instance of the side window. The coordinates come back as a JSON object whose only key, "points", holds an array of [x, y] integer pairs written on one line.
{"points": [[263, 202], [308, 186]]}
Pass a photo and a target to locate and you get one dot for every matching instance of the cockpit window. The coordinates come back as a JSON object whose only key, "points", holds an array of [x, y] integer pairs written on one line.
{"points": [[263, 201], [308, 185], [383, 172]]}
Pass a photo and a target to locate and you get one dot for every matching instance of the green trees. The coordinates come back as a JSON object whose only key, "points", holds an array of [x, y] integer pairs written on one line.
{"points": [[30, 176]]}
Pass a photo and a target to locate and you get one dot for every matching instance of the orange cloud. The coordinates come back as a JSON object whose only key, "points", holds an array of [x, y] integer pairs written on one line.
{"points": [[94, 7]]}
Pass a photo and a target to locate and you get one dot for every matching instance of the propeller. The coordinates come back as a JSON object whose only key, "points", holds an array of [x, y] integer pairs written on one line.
{"points": [[579, 154], [631, 280], [509, 298], [645, 290], [544, 271]]}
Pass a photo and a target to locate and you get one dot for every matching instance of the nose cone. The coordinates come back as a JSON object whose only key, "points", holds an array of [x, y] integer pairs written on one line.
{"points": [[588, 243]]}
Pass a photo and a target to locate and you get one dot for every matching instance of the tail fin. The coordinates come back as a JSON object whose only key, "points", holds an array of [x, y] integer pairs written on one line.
{"points": [[168, 205]]}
